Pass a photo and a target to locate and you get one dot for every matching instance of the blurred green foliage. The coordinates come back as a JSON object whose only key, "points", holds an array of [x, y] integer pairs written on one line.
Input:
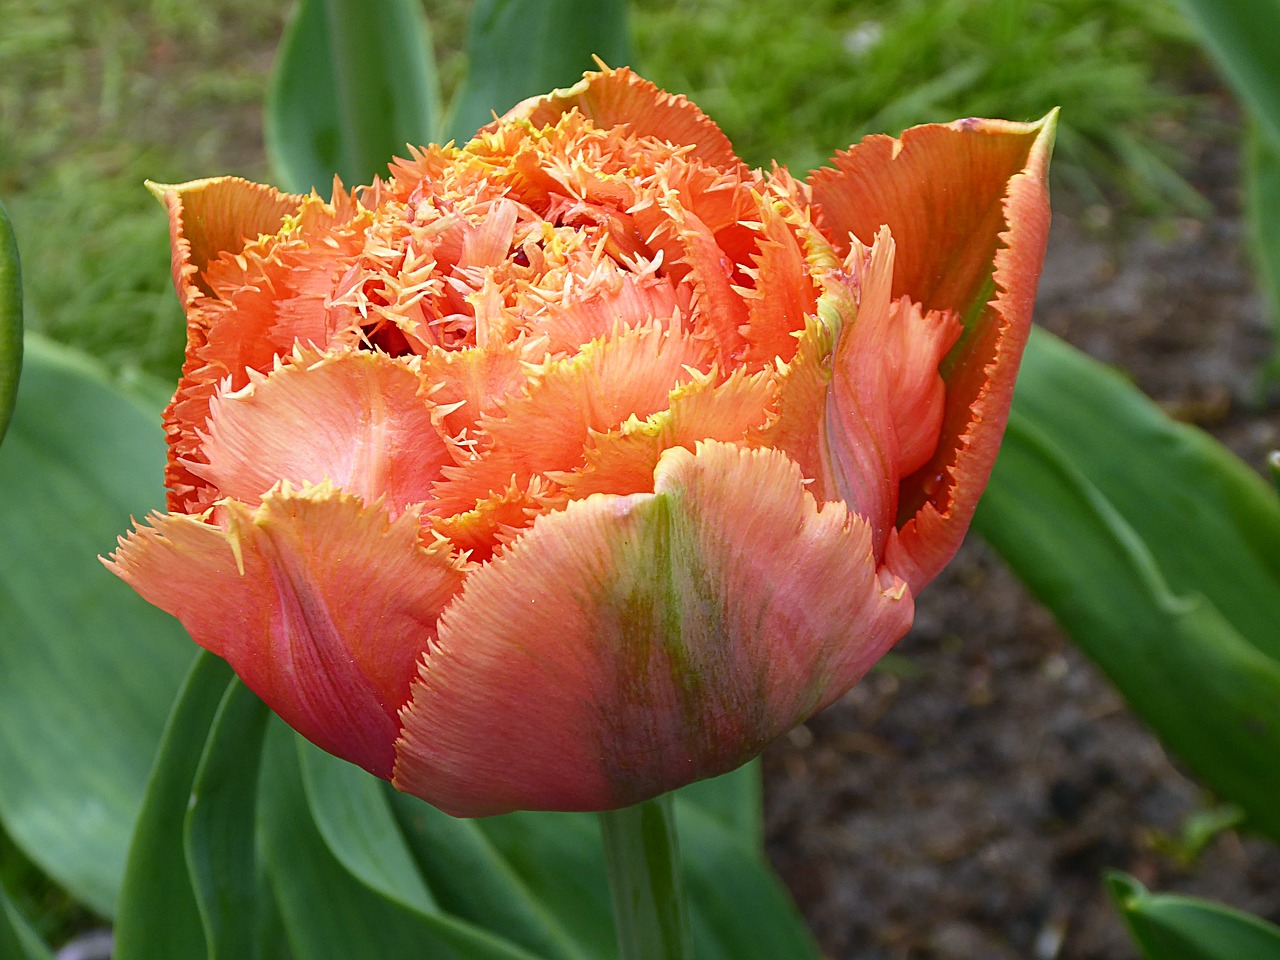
{"points": [[798, 83]]}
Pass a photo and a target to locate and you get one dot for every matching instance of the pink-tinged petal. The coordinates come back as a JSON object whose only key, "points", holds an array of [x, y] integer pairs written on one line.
{"points": [[630, 301], [912, 351], [938, 500], [321, 604], [465, 385], [860, 461], [355, 418], [547, 428], [613, 97], [208, 218], [968, 207], [885, 401], [701, 631]]}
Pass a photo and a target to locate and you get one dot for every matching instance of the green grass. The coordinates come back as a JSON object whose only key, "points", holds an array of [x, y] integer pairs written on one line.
{"points": [[796, 83]]}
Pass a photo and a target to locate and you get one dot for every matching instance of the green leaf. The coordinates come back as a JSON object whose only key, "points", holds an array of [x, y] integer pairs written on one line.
{"points": [[328, 913], [1170, 927], [1160, 553], [87, 669], [521, 48], [219, 829], [738, 906], [352, 814], [1262, 207], [735, 801], [10, 320], [18, 940], [471, 879], [353, 83], [1240, 36], [1211, 522], [156, 880]]}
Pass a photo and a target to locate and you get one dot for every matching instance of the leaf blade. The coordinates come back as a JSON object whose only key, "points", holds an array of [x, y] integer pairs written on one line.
{"points": [[1110, 545], [1170, 927], [156, 881], [521, 48], [81, 458], [218, 830], [352, 84], [10, 320]]}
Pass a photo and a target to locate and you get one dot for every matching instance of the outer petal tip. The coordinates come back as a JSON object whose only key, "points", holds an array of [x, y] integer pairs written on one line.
{"points": [[321, 605]]}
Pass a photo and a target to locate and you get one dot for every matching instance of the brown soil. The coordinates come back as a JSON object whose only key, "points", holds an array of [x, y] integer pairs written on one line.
{"points": [[964, 802]]}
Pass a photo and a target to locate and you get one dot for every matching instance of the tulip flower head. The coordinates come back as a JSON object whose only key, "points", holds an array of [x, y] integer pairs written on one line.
{"points": [[574, 464]]}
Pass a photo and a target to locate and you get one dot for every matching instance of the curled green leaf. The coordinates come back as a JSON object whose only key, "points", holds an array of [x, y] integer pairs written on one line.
{"points": [[1172, 927]]}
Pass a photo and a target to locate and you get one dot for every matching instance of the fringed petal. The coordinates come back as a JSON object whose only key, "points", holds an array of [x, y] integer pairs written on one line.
{"points": [[355, 418], [547, 428], [320, 603], [208, 218], [612, 97], [701, 631], [967, 204]]}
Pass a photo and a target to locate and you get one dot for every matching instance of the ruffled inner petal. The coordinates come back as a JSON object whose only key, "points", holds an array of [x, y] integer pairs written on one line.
{"points": [[355, 418]]}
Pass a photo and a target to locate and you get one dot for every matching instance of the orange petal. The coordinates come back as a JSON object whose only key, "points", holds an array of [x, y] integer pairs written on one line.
{"points": [[547, 428], [271, 294], [354, 418], [613, 97], [669, 637], [783, 293], [623, 461], [322, 605], [968, 207], [208, 218], [469, 383]]}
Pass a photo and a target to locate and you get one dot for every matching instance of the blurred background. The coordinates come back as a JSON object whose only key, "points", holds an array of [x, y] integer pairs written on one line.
{"points": [[963, 801]]}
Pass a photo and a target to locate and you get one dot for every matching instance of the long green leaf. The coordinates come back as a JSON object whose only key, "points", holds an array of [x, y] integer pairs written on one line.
{"points": [[330, 914], [17, 938], [156, 881], [734, 800], [520, 48], [1170, 927], [1159, 553], [471, 879], [353, 83], [87, 669], [10, 320], [219, 829], [1262, 206], [739, 907], [1241, 36], [352, 814]]}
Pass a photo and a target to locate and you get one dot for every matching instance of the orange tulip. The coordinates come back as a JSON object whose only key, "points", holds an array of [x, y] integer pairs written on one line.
{"points": [[580, 462]]}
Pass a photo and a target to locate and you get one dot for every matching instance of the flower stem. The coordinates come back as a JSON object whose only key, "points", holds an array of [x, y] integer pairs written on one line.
{"points": [[643, 855]]}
